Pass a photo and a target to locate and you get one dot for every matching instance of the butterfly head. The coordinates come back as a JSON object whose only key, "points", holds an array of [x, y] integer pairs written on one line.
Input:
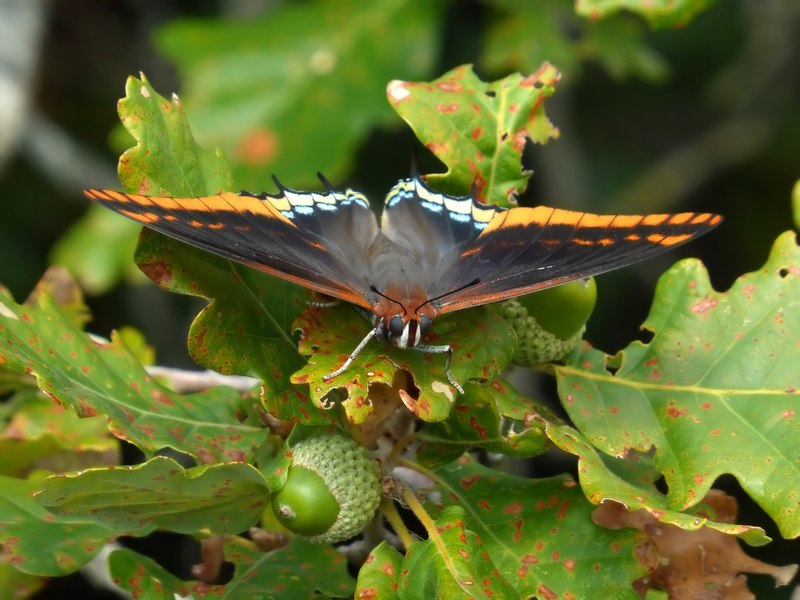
{"points": [[404, 331], [402, 327]]}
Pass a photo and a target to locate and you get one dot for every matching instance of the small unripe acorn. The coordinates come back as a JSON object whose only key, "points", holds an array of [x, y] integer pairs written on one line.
{"points": [[332, 490], [550, 323]]}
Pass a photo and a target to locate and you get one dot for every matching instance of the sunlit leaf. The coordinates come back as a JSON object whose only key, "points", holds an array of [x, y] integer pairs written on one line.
{"points": [[715, 391], [482, 343], [477, 129], [452, 563], [539, 533], [380, 574], [659, 13], [631, 482], [94, 377]]}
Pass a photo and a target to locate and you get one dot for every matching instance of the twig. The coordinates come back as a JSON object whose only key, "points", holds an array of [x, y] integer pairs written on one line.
{"points": [[186, 382]]}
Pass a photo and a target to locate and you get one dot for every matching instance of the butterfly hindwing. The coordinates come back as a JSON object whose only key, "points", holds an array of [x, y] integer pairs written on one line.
{"points": [[318, 241], [523, 250]]}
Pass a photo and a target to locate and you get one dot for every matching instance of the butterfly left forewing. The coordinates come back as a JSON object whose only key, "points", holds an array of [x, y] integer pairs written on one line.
{"points": [[524, 250], [308, 239]]}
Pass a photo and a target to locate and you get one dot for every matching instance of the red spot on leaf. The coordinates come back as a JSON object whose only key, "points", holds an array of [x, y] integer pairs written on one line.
{"points": [[546, 592], [530, 559], [476, 133], [158, 271], [569, 564], [468, 482], [447, 108], [675, 412], [449, 86], [515, 508], [484, 504], [479, 429], [517, 525], [703, 305], [162, 398]]}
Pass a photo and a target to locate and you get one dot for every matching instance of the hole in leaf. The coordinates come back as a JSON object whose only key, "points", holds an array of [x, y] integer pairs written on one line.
{"points": [[538, 85], [491, 93], [504, 137], [783, 272]]}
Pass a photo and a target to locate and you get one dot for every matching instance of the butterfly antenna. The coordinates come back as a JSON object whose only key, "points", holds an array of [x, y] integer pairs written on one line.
{"points": [[475, 281], [414, 163], [382, 295], [326, 183], [281, 188]]}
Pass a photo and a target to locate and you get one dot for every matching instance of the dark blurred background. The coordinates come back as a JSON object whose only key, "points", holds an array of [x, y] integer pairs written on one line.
{"points": [[699, 114]]}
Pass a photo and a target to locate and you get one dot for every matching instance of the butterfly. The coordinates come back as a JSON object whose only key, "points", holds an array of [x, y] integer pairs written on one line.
{"points": [[430, 255]]}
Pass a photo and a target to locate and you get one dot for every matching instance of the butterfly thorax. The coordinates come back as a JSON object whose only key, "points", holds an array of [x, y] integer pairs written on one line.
{"points": [[403, 319]]}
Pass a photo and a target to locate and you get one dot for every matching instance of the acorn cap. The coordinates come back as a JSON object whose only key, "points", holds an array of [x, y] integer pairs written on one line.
{"points": [[350, 475]]}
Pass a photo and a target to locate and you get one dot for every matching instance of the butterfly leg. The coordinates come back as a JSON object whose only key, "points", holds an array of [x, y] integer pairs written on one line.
{"points": [[442, 349], [354, 354]]}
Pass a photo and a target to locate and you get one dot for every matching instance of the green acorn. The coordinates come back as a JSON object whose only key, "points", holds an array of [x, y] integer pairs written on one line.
{"points": [[332, 490], [550, 323]]}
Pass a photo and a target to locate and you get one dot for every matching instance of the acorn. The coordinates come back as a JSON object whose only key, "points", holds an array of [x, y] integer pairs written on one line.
{"points": [[550, 323], [332, 490]]}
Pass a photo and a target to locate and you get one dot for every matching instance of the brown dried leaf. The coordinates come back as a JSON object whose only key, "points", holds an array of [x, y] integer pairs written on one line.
{"points": [[693, 565]]}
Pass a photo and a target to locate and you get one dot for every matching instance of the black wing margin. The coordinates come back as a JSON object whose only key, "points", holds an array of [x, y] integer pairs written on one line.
{"points": [[316, 240], [523, 250]]}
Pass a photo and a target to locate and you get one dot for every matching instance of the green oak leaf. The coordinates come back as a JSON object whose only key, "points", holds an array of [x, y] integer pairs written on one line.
{"points": [[299, 570], [715, 391], [166, 159], [222, 498], [379, 576], [245, 327], [44, 434], [452, 563], [477, 129], [95, 377], [36, 541], [495, 417], [631, 482], [539, 533], [659, 13], [526, 34], [482, 343], [295, 90], [17, 583]]}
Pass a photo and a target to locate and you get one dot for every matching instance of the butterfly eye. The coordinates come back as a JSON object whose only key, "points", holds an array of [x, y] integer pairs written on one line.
{"points": [[396, 326], [424, 325]]}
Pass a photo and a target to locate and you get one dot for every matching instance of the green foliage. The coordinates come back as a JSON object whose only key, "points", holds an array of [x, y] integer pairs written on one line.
{"points": [[563, 552], [718, 382], [478, 130], [97, 377], [221, 498], [713, 392], [526, 34], [659, 13], [267, 95], [298, 571], [40, 543]]}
